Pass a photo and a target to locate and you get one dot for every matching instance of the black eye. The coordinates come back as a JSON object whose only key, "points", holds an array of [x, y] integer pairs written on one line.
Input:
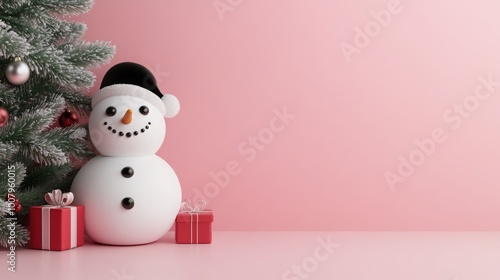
{"points": [[111, 111], [144, 110]]}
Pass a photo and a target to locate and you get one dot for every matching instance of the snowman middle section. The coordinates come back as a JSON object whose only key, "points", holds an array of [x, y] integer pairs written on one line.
{"points": [[129, 200]]}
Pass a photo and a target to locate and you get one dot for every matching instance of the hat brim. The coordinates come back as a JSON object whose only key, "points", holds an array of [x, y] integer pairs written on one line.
{"points": [[129, 90]]}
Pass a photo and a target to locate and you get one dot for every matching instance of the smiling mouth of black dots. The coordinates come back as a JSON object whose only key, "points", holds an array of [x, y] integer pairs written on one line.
{"points": [[128, 134]]}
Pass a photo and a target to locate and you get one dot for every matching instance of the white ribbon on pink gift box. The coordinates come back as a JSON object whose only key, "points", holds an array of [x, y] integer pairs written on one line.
{"points": [[188, 208], [57, 199]]}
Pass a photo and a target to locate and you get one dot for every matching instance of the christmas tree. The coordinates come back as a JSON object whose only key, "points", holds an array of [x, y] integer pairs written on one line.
{"points": [[44, 74]]}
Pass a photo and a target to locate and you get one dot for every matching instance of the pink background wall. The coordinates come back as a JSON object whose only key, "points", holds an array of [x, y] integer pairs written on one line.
{"points": [[355, 114]]}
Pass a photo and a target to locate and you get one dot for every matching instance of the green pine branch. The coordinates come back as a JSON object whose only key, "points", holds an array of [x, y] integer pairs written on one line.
{"points": [[27, 101], [23, 27], [50, 63], [11, 43], [7, 6], [57, 7], [20, 174], [50, 174], [70, 140], [6, 93], [45, 91], [85, 54], [21, 235], [64, 7], [7, 151], [65, 32], [26, 126], [34, 194], [45, 155]]}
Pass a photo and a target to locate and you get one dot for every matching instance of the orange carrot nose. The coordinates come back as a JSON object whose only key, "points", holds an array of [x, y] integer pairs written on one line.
{"points": [[127, 118]]}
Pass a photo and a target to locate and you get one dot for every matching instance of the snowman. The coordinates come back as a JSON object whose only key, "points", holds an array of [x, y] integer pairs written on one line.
{"points": [[131, 196]]}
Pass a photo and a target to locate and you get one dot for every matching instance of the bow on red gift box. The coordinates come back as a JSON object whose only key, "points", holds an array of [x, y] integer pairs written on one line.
{"points": [[59, 199], [186, 206], [195, 212]]}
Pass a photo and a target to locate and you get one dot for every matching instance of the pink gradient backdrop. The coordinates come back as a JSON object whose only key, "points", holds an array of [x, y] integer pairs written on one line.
{"points": [[325, 170]]}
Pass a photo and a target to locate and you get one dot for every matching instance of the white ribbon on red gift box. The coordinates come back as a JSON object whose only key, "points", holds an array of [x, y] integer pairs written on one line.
{"points": [[193, 211], [56, 199]]}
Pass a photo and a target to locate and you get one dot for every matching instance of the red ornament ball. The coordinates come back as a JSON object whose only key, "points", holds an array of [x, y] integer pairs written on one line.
{"points": [[68, 118], [18, 208], [9, 195], [17, 203], [4, 116]]}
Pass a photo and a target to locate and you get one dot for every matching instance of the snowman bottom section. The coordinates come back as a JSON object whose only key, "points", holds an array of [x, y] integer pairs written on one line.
{"points": [[128, 200]]}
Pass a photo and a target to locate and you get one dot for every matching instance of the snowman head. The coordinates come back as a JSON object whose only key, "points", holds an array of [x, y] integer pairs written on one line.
{"points": [[128, 112]]}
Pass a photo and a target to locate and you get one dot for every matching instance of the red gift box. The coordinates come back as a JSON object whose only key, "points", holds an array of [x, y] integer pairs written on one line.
{"points": [[56, 228], [194, 227]]}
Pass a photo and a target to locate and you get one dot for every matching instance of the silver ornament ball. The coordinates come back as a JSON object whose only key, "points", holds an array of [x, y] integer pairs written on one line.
{"points": [[18, 72]]}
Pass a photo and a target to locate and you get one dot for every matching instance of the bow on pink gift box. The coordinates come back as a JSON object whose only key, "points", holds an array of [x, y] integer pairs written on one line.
{"points": [[59, 199]]}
